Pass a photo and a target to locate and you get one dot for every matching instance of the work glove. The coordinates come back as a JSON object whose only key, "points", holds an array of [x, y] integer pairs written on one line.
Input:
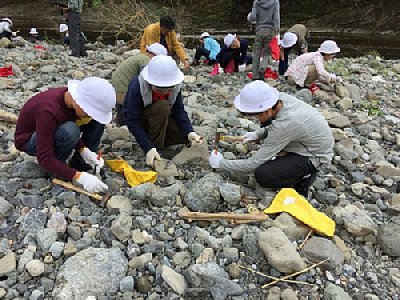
{"points": [[151, 155], [220, 70], [215, 158], [194, 138], [339, 80], [91, 183], [242, 68], [249, 137], [14, 33], [90, 158]]}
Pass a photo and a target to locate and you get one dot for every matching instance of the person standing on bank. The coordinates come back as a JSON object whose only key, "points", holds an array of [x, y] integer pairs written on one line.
{"points": [[164, 33], [235, 49], [209, 51], [266, 14], [295, 144], [153, 108], [129, 69], [50, 124], [307, 68], [297, 34], [77, 41]]}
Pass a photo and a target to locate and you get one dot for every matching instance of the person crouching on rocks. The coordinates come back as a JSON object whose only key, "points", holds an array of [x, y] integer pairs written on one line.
{"points": [[34, 36], [129, 69], [209, 51], [153, 108], [51, 123], [296, 143], [307, 68], [5, 29], [235, 49]]}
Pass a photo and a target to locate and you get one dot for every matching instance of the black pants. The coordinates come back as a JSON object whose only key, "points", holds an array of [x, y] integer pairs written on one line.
{"points": [[235, 55], [77, 42], [284, 171], [203, 52], [6, 34]]}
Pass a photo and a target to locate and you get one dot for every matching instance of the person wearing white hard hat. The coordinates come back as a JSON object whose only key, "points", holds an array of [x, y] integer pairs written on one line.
{"points": [[266, 15], [53, 124], [154, 111], [296, 140], [164, 33], [234, 51], [129, 69], [5, 29], [299, 35], [33, 35], [209, 51], [307, 68]]}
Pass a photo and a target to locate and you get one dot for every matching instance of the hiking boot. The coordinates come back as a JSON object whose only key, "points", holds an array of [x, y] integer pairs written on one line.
{"points": [[304, 184], [76, 162]]}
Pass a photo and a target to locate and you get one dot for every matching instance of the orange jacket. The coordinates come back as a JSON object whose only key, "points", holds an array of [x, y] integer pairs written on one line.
{"points": [[152, 35]]}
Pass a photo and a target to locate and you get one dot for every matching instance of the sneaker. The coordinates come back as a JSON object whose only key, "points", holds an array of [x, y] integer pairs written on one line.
{"points": [[303, 186], [76, 162]]}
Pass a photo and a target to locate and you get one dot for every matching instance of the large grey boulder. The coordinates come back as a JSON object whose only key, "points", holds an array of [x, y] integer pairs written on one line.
{"points": [[91, 272]]}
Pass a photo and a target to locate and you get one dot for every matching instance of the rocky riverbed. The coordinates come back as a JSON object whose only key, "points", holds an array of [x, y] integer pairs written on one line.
{"points": [[58, 244]]}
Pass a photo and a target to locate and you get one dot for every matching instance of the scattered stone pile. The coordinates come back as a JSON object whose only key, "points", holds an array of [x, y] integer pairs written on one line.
{"points": [[56, 244]]}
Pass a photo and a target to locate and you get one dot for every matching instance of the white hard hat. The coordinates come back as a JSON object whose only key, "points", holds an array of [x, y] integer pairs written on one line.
{"points": [[204, 34], [329, 47], [95, 96], [256, 97], [7, 20], [289, 39], [157, 49], [33, 31], [63, 27], [228, 39], [162, 71]]}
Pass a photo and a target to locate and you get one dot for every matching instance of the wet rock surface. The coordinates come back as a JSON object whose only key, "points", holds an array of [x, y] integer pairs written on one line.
{"points": [[57, 244]]}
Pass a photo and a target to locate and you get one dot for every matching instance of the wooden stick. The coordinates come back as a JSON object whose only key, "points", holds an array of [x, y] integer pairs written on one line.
{"points": [[256, 217], [274, 278], [305, 240], [295, 274], [77, 189], [231, 138]]}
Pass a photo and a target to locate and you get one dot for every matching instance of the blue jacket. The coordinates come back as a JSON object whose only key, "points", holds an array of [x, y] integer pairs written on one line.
{"points": [[243, 52], [213, 46], [133, 108]]}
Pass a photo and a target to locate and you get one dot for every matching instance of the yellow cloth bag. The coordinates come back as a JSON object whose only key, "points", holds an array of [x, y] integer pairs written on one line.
{"points": [[288, 200], [132, 176]]}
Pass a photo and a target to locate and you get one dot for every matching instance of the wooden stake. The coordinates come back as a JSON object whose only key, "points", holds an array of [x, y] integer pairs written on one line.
{"points": [[239, 218], [305, 240]]}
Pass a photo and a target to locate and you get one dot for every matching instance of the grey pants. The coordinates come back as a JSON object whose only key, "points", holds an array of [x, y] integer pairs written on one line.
{"points": [[261, 49]]}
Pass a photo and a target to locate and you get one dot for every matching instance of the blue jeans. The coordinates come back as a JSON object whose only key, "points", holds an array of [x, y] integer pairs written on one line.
{"points": [[67, 136]]}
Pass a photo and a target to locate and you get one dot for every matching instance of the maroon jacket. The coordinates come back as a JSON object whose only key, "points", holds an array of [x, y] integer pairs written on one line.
{"points": [[42, 114]]}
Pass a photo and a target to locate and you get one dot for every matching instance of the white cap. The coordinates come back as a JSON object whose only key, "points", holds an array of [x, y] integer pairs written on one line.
{"points": [[33, 31], [157, 49], [256, 97], [329, 47], [95, 96], [63, 27], [7, 20], [228, 39], [204, 34], [162, 71], [289, 39]]}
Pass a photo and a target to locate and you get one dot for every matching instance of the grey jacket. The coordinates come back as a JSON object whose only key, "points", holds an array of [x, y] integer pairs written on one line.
{"points": [[298, 128], [266, 14]]}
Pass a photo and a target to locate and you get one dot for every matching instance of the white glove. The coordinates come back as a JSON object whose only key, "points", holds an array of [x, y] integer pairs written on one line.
{"points": [[194, 138], [91, 183], [151, 155], [242, 68], [214, 159], [339, 80], [220, 70], [14, 33], [90, 158], [250, 136]]}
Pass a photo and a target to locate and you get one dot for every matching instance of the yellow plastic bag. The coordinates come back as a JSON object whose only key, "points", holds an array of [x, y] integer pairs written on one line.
{"points": [[132, 176], [288, 200]]}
